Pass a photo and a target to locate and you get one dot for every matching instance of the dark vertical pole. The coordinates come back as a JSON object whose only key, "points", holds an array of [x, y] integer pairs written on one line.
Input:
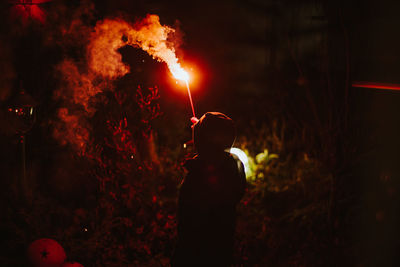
{"points": [[23, 178]]}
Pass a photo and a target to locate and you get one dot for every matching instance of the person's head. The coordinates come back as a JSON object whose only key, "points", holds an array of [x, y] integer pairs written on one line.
{"points": [[213, 133]]}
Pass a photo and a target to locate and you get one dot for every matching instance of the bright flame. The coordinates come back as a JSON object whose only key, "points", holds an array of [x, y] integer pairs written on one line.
{"points": [[179, 73]]}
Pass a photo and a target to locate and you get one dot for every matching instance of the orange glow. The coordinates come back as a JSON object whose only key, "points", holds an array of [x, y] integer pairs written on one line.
{"points": [[179, 73], [186, 74]]}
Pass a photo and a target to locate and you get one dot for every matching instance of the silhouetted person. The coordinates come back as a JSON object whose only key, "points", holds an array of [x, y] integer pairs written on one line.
{"points": [[208, 196]]}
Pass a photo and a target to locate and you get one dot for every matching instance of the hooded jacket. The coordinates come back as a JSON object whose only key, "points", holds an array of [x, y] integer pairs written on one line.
{"points": [[207, 203]]}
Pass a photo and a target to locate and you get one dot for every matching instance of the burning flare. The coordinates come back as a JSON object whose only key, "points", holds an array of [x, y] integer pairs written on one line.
{"points": [[179, 73], [82, 81]]}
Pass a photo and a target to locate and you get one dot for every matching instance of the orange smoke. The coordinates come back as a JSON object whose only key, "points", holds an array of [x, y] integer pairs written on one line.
{"points": [[104, 58], [77, 87], [82, 81], [148, 34], [71, 130]]}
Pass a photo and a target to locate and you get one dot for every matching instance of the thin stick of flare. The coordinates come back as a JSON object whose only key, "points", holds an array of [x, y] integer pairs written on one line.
{"points": [[182, 75], [190, 98], [374, 85]]}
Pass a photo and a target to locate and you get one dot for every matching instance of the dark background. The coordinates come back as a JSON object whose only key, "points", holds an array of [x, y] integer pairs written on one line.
{"points": [[257, 61]]}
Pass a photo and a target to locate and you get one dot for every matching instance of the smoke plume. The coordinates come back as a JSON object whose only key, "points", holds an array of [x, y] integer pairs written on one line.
{"points": [[102, 64]]}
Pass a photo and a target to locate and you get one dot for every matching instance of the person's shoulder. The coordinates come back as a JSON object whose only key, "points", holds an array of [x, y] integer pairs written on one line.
{"points": [[233, 159], [236, 163]]}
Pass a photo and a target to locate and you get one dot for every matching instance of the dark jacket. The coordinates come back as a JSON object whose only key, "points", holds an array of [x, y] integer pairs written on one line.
{"points": [[207, 210]]}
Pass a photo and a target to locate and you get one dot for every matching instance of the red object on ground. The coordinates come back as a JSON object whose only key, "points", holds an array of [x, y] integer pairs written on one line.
{"points": [[46, 252]]}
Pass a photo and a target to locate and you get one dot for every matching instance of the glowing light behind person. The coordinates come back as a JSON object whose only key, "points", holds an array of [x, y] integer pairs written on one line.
{"points": [[243, 158]]}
